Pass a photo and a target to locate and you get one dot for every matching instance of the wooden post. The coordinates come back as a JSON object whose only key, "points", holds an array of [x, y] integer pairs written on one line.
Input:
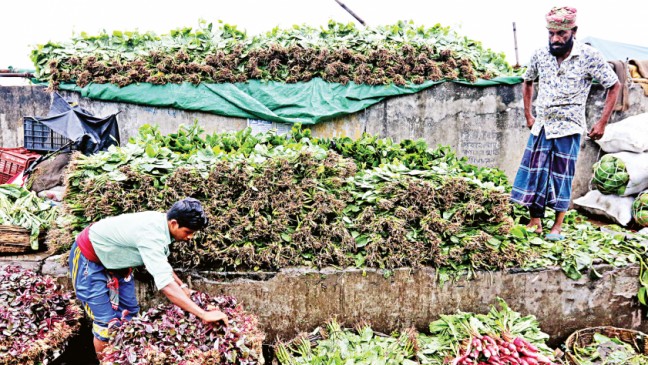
{"points": [[350, 12], [517, 59]]}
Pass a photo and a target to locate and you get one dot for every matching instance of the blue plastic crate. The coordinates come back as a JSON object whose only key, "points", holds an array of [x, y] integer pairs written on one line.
{"points": [[39, 137]]}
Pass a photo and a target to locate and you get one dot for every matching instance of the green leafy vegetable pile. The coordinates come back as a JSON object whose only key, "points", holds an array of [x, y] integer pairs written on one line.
{"points": [[361, 346], [278, 201], [501, 336], [610, 175], [399, 54], [37, 317], [165, 335], [585, 246], [20, 207]]}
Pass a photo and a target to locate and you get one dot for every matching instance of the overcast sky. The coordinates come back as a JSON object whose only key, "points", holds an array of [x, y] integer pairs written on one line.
{"points": [[35, 22]]}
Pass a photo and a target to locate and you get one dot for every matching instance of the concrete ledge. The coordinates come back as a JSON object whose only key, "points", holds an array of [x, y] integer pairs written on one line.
{"points": [[484, 124], [297, 300], [31, 261]]}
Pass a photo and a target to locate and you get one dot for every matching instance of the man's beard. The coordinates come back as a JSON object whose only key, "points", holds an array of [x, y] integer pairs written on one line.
{"points": [[558, 50]]}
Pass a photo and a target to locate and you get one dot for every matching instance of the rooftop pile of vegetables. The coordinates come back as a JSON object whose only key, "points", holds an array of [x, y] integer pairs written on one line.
{"points": [[37, 317], [276, 201], [400, 53], [165, 335], [20, 207], [499, 337]]}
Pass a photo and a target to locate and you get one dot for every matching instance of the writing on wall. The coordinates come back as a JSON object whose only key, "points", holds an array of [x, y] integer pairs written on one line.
{"points": [[480, 147]]}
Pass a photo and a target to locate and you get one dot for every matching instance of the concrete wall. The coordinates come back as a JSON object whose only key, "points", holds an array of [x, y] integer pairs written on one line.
{"points": [[486, 125], [16, 102], [297, 300]]}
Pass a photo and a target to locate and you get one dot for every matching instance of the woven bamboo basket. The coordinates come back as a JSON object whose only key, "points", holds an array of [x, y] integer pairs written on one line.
{"points": [[14, 239], [585, 337]]}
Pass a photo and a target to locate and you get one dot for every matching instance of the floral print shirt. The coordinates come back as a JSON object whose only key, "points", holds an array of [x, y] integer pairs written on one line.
{"points": [[563, 90]]}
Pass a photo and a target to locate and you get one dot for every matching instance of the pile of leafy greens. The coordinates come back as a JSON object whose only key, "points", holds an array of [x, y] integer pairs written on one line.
{"points": [[278, 201], [400, 53], [608, 351], [335, 345]]}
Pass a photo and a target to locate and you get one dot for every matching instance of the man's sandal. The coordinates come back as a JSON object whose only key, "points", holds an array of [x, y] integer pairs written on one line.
{"points": [[554, 237]]}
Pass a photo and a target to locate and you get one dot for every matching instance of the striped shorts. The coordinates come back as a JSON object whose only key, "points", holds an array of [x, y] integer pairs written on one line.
{"points": [[90, 282]]}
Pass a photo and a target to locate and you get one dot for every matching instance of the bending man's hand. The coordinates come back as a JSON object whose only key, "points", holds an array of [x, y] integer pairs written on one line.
{"points": [[214, 316], [179, 297], [187, 291]]}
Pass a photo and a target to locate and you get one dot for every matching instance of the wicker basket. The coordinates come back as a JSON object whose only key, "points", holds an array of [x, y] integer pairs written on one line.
{"points": [[14, 239], [584, 337]]}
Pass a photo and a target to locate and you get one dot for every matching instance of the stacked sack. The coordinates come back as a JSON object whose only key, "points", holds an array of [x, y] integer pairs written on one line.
{"points": [[621, 176]]}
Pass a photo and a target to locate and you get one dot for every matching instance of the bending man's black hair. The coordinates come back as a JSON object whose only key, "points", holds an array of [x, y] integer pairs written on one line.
{"points": [[189, 213]]}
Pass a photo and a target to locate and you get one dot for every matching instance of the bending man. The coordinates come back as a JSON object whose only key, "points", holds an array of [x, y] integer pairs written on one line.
{"points": [[103, 254]]}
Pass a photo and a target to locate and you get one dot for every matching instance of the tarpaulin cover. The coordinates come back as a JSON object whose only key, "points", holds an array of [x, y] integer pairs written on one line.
{"points": [[305, 102], [616, 50], [90, 133]]}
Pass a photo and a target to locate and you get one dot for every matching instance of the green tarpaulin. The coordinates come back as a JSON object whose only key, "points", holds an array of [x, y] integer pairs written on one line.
{"points": [[306, 102]]}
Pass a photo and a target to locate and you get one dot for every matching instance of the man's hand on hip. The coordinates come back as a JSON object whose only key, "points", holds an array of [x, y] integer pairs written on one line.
{"points": [[530, 122]]}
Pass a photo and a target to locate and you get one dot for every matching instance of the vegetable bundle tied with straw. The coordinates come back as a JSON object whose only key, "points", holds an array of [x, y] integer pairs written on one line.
{"points": [[278, 201]]}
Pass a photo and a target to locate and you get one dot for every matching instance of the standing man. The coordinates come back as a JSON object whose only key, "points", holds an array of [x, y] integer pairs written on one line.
{"points": [[565, 69], [103, 254]]}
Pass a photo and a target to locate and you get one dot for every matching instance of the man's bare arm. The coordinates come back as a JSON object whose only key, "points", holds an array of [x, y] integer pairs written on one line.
{"points": [[610, 100], [527, 96]]}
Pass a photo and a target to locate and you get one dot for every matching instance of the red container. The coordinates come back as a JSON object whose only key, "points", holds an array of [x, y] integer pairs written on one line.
{"points": [[14, 161]]}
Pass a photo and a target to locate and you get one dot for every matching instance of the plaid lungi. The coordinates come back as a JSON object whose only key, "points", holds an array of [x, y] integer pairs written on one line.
{"points": [[545, 176]]}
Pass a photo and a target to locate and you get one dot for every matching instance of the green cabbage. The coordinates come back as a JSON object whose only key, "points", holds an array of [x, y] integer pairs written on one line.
{"points": [[640, 209], [610, 175]]}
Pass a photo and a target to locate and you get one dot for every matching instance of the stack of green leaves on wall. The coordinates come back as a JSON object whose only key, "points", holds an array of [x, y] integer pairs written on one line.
{"points": [[294, 200], [278, 201]]}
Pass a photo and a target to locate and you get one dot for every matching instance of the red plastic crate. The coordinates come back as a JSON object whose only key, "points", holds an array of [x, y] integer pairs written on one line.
{"points": [[14, 161]]}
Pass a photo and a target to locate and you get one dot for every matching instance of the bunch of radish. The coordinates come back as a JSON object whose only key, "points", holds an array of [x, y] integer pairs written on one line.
{"points": [[487, 350]]}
